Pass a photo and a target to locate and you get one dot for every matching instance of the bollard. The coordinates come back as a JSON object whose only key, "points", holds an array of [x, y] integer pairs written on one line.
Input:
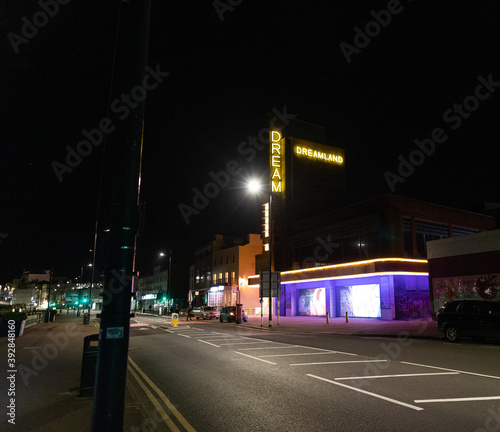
{"points": [[346, 318], [327, 318], [175, 319]]}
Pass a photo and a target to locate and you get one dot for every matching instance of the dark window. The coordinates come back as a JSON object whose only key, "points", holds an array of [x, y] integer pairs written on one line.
{"points": [[407, 238], [427, 231], [466, 308]]}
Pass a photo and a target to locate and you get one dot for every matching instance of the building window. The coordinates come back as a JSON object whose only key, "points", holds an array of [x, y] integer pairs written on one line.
{"points": [[407, 239], [234, 258], [215, 262], [459, 231], [220, 277], [427, 231], [233, 278], [215, 278], [226, 277]]}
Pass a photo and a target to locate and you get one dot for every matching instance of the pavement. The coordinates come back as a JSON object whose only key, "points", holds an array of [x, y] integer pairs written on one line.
{"points": [[48, 358]]}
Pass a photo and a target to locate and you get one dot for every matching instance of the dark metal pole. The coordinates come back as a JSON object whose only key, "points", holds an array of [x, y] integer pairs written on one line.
{"points": [[270, 258], [123, 149]]}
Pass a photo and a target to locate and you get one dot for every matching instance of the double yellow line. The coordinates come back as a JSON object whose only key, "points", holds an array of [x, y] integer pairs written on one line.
{"points": [[151, 396]]}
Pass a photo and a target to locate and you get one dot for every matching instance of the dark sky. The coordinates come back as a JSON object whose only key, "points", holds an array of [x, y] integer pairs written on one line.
{"points": [[228, 68]]}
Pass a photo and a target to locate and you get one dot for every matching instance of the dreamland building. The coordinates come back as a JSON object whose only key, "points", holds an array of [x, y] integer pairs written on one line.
{"points": [[366, 260]]}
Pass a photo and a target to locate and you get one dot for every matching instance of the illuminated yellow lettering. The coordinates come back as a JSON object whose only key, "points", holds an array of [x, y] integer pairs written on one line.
{"points": [[276, 161], [276, 147], [275, 136], [276, 173], [276, 187]]}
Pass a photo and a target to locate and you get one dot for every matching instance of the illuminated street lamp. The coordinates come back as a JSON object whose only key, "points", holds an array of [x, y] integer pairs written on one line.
{"points": [[254, 186]]}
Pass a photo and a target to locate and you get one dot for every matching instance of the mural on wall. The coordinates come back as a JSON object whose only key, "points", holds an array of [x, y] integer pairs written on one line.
{"points": [[485, 286], [312, 302]]}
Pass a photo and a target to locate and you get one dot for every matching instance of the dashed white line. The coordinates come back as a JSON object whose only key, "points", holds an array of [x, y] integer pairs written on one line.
{"points": [[337, 362], [243, 343], [268, 348], [302, 354], [453, 370], [209, 343], [395, 376], [255, 358], [469, 399], [416, 408]]}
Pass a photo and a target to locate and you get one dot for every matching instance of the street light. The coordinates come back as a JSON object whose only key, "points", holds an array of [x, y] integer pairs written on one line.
{"points": [[163, 254], [254, 186], [81, 287]]}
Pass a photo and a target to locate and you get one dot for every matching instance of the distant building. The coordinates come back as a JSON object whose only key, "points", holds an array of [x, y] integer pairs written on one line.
{"points": [[464, 267], [153, 290], [219, 276]]}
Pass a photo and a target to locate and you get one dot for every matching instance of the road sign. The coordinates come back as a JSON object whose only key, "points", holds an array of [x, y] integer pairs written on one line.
{"points": [[264, 284]]}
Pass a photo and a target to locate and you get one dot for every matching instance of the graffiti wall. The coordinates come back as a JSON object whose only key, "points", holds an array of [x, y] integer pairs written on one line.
{"points": [[411, 297], [484, 286]]}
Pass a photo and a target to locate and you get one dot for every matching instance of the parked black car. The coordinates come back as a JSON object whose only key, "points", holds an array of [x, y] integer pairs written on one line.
{"points": [[228, 313], [474, 318]]}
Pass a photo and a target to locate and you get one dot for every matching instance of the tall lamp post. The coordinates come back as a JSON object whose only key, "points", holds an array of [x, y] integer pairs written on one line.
{"points": [[254, 186], [169, 292]]}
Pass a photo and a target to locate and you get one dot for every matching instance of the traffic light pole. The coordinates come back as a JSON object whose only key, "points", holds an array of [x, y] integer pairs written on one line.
{"points": [[123, 151]]}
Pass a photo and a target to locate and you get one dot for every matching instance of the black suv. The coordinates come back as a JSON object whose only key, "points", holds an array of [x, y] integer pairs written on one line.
{"points": [[476, 318]]}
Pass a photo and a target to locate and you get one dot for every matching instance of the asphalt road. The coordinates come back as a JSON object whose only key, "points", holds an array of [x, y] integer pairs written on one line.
{"points": [[207, 376]]}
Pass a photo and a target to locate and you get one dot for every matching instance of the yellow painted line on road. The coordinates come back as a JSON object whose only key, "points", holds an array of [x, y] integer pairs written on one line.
{"points": [[152, 398], [164, 399]]}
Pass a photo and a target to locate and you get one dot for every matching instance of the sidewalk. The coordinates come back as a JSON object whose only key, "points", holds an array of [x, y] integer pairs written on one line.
{"points": [[419, 328], [47, 382]]}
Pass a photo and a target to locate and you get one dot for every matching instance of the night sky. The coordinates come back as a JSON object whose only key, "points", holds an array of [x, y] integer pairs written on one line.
{"points": [[430, 70]]}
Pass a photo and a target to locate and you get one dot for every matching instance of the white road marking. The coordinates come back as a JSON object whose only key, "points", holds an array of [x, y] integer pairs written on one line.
{"points": [[469, 399], [183, 335], [267, 348], [336, 362], [208, 343], [396, 376], [452, 370], [255, 358], [244, 343], [416, 408], [301, 354]]}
